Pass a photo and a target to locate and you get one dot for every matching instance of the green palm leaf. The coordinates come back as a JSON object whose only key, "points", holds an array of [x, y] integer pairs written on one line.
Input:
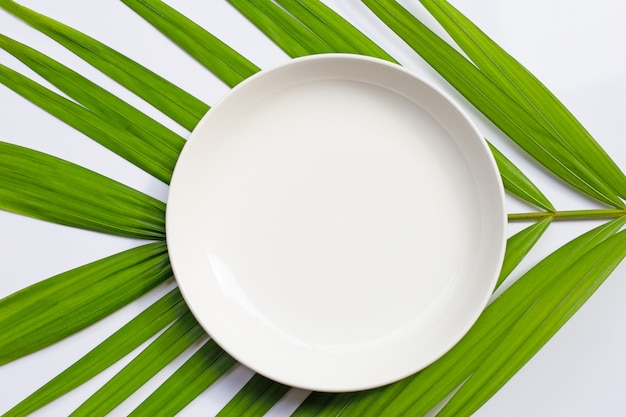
{"points": [[291, 35], [512, 329], [48, 188], [211, 52], [50, 310], [180, 336], [161, 140], [198, 373], [527, 90], [323, 404], [518, 184], [255, 398], [113, 136], [165, 96], [332, 28], [121, 343], [538, 324], [315, 21], [518, 246]]}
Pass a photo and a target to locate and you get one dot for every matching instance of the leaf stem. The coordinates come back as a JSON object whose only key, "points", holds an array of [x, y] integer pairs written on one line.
{"points": [[568, 215]]}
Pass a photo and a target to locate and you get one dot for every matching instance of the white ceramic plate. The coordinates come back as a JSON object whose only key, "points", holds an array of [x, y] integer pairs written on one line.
{"points": [[336, 223]]}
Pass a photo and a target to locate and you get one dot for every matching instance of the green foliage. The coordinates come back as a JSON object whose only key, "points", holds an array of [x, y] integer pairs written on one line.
{"points": [[211, 52], [291, 35], [157, 145], [511, 330], [255, 398], [110, 135], [53, 309], [119, 344], [48, 188], [318, 29], [165, 96], [197, 374], [518, 246], [525, 89], [337, 32], [518, 184], [553, 307], [181, 335]]}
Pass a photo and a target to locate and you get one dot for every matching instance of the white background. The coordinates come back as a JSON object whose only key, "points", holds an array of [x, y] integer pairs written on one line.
{"points": [[575, 47]]}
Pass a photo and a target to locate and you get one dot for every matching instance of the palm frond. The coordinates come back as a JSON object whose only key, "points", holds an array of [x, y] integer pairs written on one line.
{"points": [[334, 29], [512, 329], [50, 189], [111, 135], [99, 100], [198, 373], [517, 183], [557, 303], [319, 29], [518, 246], [215, 55], [528, 91], [119, 344], [323, 404], [255, 398], [154, 89], [291, 35], [51, 310], [181, 335]]}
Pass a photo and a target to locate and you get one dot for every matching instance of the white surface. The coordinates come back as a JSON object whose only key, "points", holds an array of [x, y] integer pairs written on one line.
{"points": [[575, 47], [313, 223]]}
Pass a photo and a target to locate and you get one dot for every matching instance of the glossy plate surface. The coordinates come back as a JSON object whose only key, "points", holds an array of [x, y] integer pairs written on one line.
{"points": [[336, 223]]}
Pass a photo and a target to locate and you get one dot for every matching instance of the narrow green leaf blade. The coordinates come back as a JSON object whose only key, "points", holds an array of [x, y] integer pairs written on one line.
{"points": [[313, 20], [212, 53], [309, 15], [517, 183], [255, 398], [541, 321], [116, 139], [526, 89], [290, 35], [48, 188], [323, 404], [163, 95], [170, 344], [50, 310], [119, 344], [197, 374], [97, 99], [518, 246], [340, 34], [494, 103]]}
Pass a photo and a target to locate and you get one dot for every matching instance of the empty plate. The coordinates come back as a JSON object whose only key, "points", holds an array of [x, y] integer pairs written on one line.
{"points": [[336, 223]]}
